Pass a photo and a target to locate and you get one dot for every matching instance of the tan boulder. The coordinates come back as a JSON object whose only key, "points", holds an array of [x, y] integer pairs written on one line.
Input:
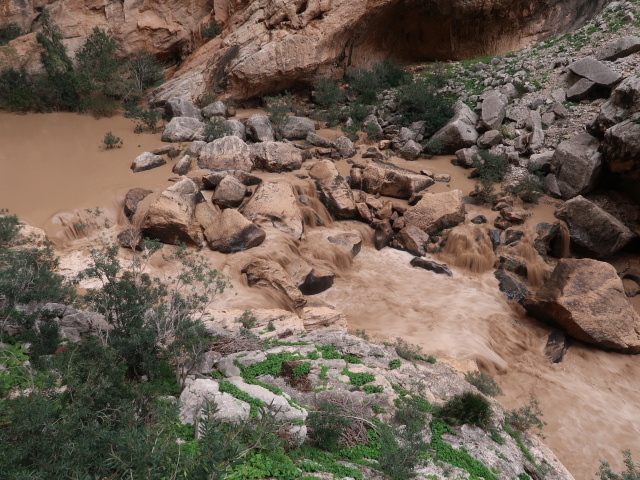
{"points": [[335, 194], [275, 203], [229, 192], [391, 181], [309, 278], [315, 318], [586, 298], [436, 211], [230, 232], [269, 274], [226, 153], [276, 156]]}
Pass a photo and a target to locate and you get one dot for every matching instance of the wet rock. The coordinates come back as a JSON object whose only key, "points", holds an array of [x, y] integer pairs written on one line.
{"points": [[586, 298], [258, 129], [430, 265], [130, 238], [226, 153], [596, 71], [364, 212], [512, 263], [511, 286], [623, 102], [410, 150], [275, 204], [619, 48], [132, 198], [621, 148], [215, 109], [480, 219], [315, 318], [411, 239], [541, 162], [353, 241], [333, 190], [246, 178], [502, 223], [513, 237], [269, 274], [297, 128], [231, 232], [318, 141], [436, 211], [495, 237], [309, 278], [183, 129], [181, 107], [460, 131], [276, 156], [391, 181], [345, 147], [229, 193], [383, 233], [183, 165], [549, 240], [514, 215], [466, 157], [551, 187], [578, 164], [597, 232], [557, 345], [147, 161], [169, 216], [580, 90], [194, 148], [442, 177], [164, 150], [494, 108]]}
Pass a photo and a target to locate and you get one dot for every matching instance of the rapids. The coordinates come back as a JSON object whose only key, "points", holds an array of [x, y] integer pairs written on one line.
{"points": [[53, 168]]}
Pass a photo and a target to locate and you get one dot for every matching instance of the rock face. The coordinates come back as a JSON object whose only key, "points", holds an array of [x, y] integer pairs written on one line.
{"points": [[275, 203], [132, 198], [578, 165], [320, 38], [586, 298], [183, 129], [276, 156], [333, 189], [180, 107], [619, 48], [389, 180], [436, 211], [226, 153], [231, 232], [593, 229]]}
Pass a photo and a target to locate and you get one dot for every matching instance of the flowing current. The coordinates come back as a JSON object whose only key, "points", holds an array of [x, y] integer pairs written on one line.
{"points": [[53, 167]]}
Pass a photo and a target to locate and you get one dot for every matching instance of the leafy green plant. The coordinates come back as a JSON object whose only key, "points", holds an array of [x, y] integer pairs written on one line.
{"points": [[216, 128], [358, 379], [144, 70], [9, 227], [278, 107], [528, 188], [420, 101], [395, 363], [111, 141], [326, 425], [411, 352], [371, 389], [526, 417], [247, 319], [327, 93], [467, 407], [254, 403], [301, 369], [632, 471], [483, 382]]}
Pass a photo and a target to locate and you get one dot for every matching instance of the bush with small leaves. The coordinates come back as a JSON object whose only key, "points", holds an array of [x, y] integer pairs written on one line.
{"points": [[327, 93], [111, 141], [468, 407], [278, 107], [420, 101], [326, 425], [526, 417], [632, 471], [528, 188], [483, 382], [216, 128]]}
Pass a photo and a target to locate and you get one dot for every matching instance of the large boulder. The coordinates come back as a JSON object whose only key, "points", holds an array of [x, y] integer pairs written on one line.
{"points": [[258, 129], [623, 102], [411, 239], [494, 108], [297, 128], [309, 278], [578, 165], [621, 150], [169, 216], [269, 274], [132, 198], [229, 193], [597, 72], [202, 393], [183, 129], [226, 153], [276, 156], [147, 161], [237, 128], [618, 48], [232, 232], [276, 204], [215, 109], [591, 228], [436, 211], [460, 131], [334, 191], [586, 298], [345, 147], [391, 181], [181, 107]]}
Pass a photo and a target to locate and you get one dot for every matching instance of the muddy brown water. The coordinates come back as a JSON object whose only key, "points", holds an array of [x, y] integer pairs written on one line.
{"points": [[53, 166]]}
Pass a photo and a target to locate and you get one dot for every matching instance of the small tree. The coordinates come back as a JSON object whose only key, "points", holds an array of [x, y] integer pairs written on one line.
{"points": [[216, 128], [144, 69], [111, 141], [278, 107], [98, 59]]}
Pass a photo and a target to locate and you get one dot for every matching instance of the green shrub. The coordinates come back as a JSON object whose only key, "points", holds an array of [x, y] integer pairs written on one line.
{"points": [[411, 352], [395, 363], [111, 141], [435, 146], [327, 93], [9, 227], [278, 107], [365, 84], [210, 30], [147, 119], [144, 70], [100, 105], [528, 188], [301, 369], [632, 471], [491, 167], [216, 128], [326, 426], [391, 74], [483, 382], [8, 32], [358, 379], [526, 417], [18, 92], [371, 389], [98, 59], [466, 408], [420, 101]]}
